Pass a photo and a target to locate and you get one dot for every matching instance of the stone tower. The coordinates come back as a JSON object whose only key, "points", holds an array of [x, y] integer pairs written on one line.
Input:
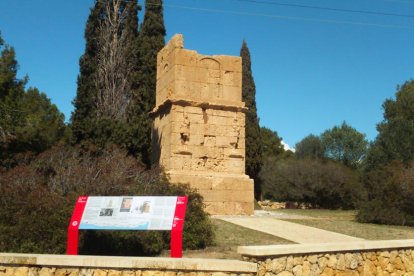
{"points": [[199, 126]]}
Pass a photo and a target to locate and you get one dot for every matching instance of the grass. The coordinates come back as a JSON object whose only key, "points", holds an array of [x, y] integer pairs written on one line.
{"points": [[228, 237], [321, 213], [344, 222]]}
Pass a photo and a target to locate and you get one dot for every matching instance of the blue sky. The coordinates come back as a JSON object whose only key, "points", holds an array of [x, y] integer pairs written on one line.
{"points": [[313, 68]]}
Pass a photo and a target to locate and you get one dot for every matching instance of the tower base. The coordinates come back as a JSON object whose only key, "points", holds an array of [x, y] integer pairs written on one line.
{"points": [[224, 194]]}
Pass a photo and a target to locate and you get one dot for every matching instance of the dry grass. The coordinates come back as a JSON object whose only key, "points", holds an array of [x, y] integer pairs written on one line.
{"points": [[344, 222], [228, 237]]}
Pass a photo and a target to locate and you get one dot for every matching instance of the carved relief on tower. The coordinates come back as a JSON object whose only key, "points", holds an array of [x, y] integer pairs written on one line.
{"points": [[208, 140]]}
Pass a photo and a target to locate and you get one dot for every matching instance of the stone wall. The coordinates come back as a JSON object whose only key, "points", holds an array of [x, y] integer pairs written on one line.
{"points": [[365, 258], [61, 265], [355, 258]]}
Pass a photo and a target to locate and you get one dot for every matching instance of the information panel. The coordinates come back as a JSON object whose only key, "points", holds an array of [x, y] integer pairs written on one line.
{"points": [[129, 213]]}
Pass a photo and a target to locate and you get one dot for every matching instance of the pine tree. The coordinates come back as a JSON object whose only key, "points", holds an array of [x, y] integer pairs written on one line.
{"points": [[389, 164], [396, 131], [11, 93], [253, 139], [28, 120], [310, 147]]}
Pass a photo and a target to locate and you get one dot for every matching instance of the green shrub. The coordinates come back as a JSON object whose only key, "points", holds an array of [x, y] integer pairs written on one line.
{"points": [[391, 193], [38, 199], [321, 183]]}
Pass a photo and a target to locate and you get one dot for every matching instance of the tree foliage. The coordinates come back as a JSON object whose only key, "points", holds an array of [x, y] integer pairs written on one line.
{"points": [[345, 144], [310, 147], [322, 172], [388, 168], [396, 132], [391, 193], [115, 63], [271, 143], [116, 85], [253, 139], [28, 120], [324, 184], [84, 103], [151, 40]]}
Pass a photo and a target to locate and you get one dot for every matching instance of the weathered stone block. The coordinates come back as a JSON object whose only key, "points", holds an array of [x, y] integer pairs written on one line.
{"points": [[340, 264], [285, 273], [397, 263], [278, 265], [369, 268], [297, 270], [100, 272], [21, 271], [114, 273], [306, 268], [229, 208], [152, 273], [383, 262], [312, 259], [289, 263], [132, 273], [323, 263]]}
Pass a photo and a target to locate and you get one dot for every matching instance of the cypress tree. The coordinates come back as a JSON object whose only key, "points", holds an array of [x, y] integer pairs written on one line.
{"points": [[137, 138], [151, 41], [132, 131], [90, 120], [253, 139], [131, 29], [85, 101]]}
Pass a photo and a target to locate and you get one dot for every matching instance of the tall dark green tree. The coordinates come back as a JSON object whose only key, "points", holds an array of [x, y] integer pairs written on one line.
{"points": [[253, 139], [85, 101], [389, 165], [109, 61], [271, 143], [9, 83], [11, 93], [395, 140], [151, 40], [100, 117], [29, 122], [11, 88], [124, 119], [138, 121]]}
